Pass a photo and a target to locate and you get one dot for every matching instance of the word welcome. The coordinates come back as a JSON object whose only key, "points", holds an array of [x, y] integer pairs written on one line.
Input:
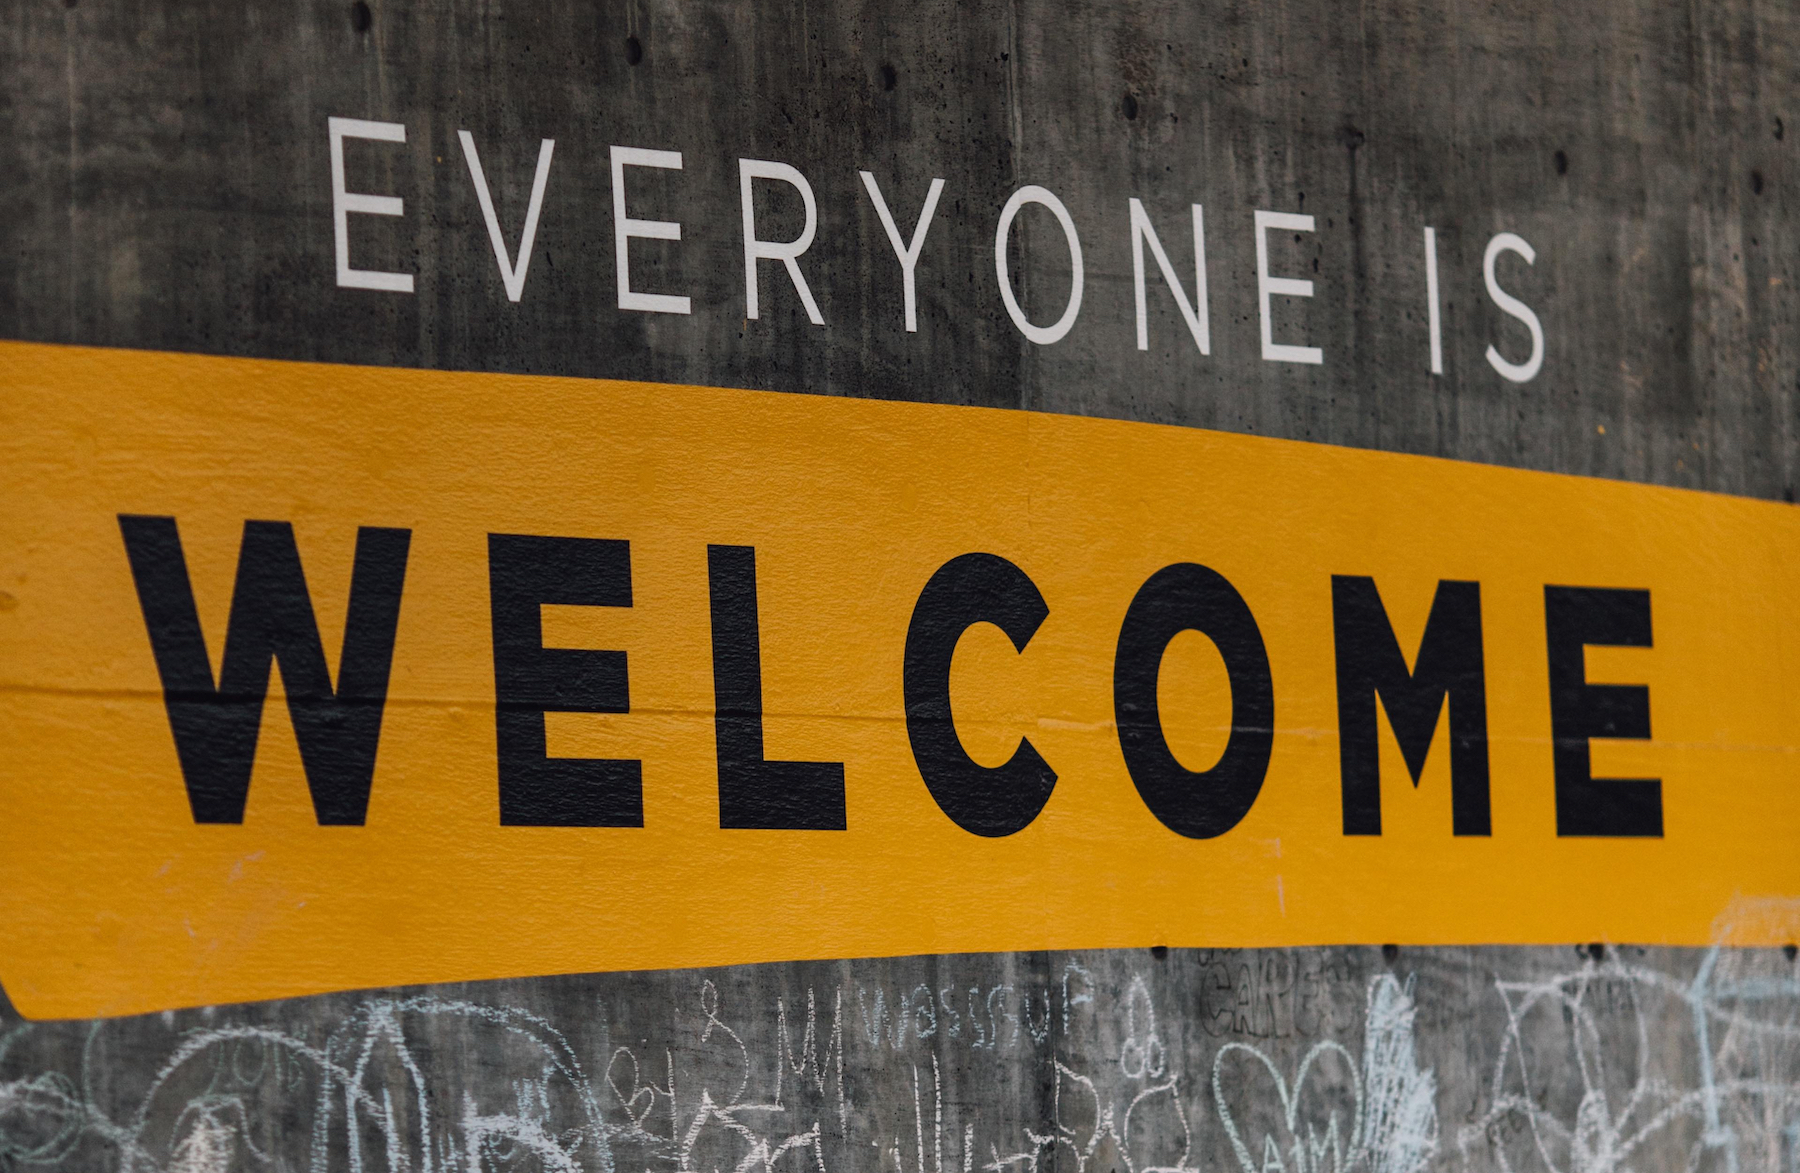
{"points": [[215, 724]]}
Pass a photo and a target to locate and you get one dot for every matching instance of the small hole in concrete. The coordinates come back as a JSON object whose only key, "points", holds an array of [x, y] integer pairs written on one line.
{"points": [[634, 51], [1756, 182], [1390, 953], [1596, 952], [889, 79], [1159, 951], [1779, 130], [360, 17], [1129, 106], [1562, 163], [1789, 951]]}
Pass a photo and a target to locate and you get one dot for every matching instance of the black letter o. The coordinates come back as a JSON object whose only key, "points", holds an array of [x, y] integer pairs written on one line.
{"points": [[1205, 803]]}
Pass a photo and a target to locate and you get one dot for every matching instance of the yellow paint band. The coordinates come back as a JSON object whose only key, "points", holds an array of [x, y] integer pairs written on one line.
{"points": [[116, 900]]}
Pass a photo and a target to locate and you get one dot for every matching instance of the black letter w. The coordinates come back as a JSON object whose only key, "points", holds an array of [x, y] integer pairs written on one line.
{"points": [[1369, 661], [271, 619]]}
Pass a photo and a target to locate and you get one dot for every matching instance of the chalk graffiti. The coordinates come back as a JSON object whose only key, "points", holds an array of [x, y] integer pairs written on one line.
{"points": [[1102, 1063], [1572, 1092], [1392, 1104]]}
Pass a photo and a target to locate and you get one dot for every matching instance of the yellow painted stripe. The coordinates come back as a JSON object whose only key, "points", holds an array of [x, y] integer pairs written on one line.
{"points": [[114, 900]]}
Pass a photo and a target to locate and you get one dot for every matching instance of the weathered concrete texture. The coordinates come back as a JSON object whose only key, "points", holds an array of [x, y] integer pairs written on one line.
{"points": [[1303, 1061], [164, 182]]}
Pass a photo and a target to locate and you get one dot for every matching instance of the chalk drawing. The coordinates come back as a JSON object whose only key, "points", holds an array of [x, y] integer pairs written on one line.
{"points": [[1687, 1061], [1729, 1093], [1399, 1132]]}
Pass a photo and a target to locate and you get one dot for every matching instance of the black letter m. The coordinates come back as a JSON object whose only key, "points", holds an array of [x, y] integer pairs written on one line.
{"points": [[1369, 662], [272, 618]]}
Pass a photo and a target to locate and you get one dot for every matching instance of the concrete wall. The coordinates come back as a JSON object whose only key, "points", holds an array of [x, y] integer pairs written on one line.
{"points": [[1555, 1060], [165, 183]]}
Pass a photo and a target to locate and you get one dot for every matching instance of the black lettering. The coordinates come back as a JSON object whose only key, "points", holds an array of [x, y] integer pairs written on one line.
{"points": [[216, 728], [1449, 665], [1575, 617], [971, 589], [524, 573], [1197, 803], [756, 794]]}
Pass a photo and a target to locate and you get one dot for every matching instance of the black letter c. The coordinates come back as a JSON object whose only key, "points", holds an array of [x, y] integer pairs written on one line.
{"points": [[1200, 804], [971, 589]]}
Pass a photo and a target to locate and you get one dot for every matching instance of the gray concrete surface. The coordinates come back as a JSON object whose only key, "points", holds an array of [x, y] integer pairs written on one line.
{"points": [[1565, 1060], [165, 183]]}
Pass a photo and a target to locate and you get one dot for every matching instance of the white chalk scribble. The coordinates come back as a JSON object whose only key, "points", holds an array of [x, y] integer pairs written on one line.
{"points": [[1291, 1063], [1585, 1083]]}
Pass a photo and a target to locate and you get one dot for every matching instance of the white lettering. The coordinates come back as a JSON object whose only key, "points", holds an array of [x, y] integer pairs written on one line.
{"points": [[513, 278], [1267, 286], [908, 253], [624, 228], [1507, 242], [344, 203], [787, 252], [1431, 302], [1032, 194], [1195, 314]]}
